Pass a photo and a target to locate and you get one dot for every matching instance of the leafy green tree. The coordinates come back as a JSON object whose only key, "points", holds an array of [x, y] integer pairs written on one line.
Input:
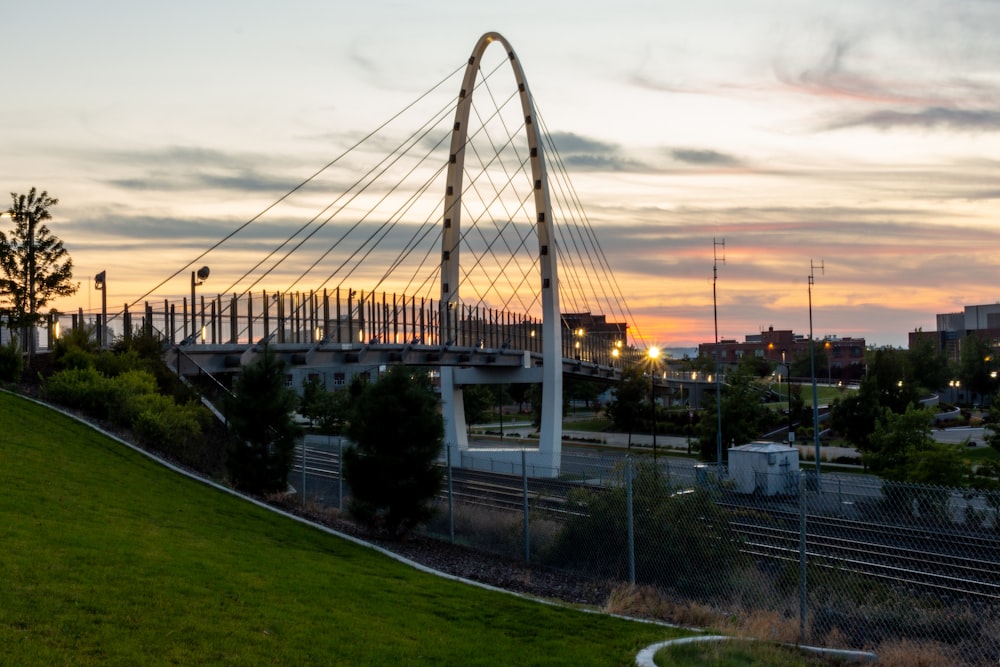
{"points": [[991, 430], [894, 382], [576, 389], [479, 401], [855, 415], [259, 415], [683, 541], [520, 393], [975, 366], [754, 365], [800, 366], [928, 366], [397, 430], [327, 410], [626, 408], [743, 415], [904, 450], [35, 266], [11, 362]]}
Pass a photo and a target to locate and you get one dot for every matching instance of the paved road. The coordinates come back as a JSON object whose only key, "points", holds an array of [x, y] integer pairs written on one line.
{"points": [[960, 434]]}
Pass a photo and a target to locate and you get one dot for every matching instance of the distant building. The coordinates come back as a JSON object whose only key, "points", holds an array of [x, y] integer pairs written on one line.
{"points": [[845, 356], [982, 321]]}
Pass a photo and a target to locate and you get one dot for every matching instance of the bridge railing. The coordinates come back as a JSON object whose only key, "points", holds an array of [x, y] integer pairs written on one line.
{"points": [[339, 316]]}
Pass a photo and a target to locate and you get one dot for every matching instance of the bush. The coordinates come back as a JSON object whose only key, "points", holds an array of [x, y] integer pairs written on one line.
{"points": [[11, 362], [175, 430], [682, 540], [79, 388], [126, 394]]}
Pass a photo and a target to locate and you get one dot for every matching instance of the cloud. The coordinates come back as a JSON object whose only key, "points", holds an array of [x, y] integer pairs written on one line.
{"points": [[704, 157], [963, 120], [176, 168], [591, 154]]}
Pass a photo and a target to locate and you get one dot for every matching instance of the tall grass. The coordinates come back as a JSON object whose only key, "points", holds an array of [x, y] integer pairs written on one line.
{"points": [[107, 558]]}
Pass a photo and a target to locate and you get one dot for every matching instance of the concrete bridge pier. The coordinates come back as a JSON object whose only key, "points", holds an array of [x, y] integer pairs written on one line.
{"points": [[543, 461]]}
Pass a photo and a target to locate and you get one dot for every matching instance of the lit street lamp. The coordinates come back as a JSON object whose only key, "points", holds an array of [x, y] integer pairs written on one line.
{"points": [[654, 354]]}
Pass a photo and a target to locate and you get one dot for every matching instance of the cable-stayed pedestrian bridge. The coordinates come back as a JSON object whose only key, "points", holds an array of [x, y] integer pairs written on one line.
{"points": [[450, 237]]}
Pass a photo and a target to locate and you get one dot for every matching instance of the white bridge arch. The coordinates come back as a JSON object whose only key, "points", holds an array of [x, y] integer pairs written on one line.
{"points": [[548, 455]]}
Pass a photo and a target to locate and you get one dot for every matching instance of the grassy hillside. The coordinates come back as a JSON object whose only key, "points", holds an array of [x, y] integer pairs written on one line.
{"points": [[108, 558]]}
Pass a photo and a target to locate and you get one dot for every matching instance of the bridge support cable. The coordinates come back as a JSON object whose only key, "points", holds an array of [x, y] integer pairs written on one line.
{"points": [[613, 297], [375, 132]]}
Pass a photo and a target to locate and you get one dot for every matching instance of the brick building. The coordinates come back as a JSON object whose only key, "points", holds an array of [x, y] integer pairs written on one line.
{"points": [[784, 346]]}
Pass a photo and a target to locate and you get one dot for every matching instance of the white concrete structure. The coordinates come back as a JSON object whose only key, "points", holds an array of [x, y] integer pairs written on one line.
{"points": [[549, 451], [764, 467]]}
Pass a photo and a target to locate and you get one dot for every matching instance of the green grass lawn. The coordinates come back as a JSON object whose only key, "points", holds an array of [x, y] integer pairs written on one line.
{"points": [[108, 558]]}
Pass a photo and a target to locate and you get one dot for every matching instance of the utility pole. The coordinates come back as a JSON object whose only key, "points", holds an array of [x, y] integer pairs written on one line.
{"points": [[718, 388], [812, 364]]}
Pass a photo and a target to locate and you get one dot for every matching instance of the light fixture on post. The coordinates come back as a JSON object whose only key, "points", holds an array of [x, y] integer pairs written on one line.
{"points": [[101, 283], [653, 353], [197, 278], [829, 375], [812, 366], [718, 387], [788, 389]]}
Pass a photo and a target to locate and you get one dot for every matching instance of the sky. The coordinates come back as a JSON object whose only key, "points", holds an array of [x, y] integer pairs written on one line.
{"points": [[861, 136]]}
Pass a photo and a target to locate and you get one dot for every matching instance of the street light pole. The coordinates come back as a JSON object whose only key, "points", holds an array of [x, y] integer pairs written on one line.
{"points": [[812, 367], [101, 283], [718, 388], [788, 392], [654, 354]]}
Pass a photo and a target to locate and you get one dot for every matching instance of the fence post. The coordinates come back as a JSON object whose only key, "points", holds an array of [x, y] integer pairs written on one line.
{"points": [[340, 470], [802, 558], [451, 497], [524, 486], [630, 515], [303, 471]]}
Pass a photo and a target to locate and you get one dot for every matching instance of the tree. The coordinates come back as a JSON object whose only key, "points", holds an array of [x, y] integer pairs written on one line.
{"points": [[260, 417], [854, 416], [626, 408], [479, 400], [397, 430], [743, 415], [682, 541], [325, 409], [991, 430], [36, 267], [975, 365], [929, 367], [897, 439]]}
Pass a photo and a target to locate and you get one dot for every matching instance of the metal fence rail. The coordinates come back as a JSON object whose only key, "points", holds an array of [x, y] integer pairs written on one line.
{"points": [[853, 563]]}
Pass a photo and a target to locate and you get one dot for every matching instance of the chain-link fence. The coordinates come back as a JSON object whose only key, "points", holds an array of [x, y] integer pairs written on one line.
{"points": [[843, 560]]}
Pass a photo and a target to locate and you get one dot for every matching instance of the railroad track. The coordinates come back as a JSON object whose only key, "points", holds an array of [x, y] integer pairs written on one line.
{"points": [[945, 562]]}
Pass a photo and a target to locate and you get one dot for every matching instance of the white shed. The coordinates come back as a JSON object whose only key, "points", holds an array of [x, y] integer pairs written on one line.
{"points": [[764, 467]]}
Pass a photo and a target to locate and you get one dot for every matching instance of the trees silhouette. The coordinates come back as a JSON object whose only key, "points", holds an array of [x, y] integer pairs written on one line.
{"points": [[35, 266], [397, 430], [260, 418]]}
